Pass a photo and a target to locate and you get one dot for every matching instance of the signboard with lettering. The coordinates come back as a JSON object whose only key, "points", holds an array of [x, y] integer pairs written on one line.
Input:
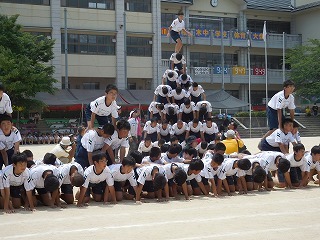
{"points": [[259, 71], [238, 71], [218, 70]]}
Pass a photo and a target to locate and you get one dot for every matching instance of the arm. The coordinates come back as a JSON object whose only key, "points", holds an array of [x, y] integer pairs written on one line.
{"points": [[284, 149], [288, 179], [186, 32], [16, 147], [30, 200], [185, 191], [114, 122], [204, 97], [6, 202], [112, 192], [305, 177], [4, 157], [292, 114], [279, 113], [226, 186], [107, 148], [166, 191], [203, 189], [81, 196], [243, 185], [122, 153], [213, 188], [90, 158], [154, 97], [138, 193], [91, 122]]}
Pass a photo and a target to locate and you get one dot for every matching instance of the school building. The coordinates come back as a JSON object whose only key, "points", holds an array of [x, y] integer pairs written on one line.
{"points": [[124, 41]]}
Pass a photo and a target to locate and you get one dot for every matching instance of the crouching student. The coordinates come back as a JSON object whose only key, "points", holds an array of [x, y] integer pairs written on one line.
{"points": [[231, 173], [16, 182], [1, 191], [194, 179], [172, 155], [151, 179], [98, 180], [45, 180], [256, 175], [154, 157], [70, 175], [145, 146], [312, 166], [122, 174], [176, 178], [211, 165]]}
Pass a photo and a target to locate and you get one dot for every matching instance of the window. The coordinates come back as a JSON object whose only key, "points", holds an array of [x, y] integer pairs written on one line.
{"points": [[166, 54], [167, 18], [33, 2], [89, 44], [199, 59], [139, 46], [138, 5], [272, 26], [96, 4], [91, 85], [274, 62], [228, 23], [40, 35]]}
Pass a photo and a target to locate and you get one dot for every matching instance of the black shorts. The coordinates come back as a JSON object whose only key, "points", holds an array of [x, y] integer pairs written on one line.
{"points": [[15, 191], [41, 191], [174, 35], [148, 186], [96, 188], [67, 189], [295, 174], [232, 180], [194, 183], [118, 186], [248, 178]]}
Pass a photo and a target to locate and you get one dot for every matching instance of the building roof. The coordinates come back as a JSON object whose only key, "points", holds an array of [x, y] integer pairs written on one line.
{"points": [[270, 5], [307, 6], [179, 1]]}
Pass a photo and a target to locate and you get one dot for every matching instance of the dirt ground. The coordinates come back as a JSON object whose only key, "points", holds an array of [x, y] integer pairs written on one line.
{"points": [[280, 214]]}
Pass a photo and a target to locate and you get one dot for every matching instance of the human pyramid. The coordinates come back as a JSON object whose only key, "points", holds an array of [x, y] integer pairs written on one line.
{"points": [[182, 151]]}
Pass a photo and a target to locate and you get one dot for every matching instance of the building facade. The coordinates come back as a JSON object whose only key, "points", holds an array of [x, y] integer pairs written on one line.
{"points": [[124, 41]]}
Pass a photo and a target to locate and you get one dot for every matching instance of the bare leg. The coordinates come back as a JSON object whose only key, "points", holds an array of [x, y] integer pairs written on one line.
{"points": [[178, 45]]}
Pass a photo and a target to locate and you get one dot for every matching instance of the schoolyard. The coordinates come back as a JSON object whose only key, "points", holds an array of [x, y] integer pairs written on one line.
{"points": [[280, 214]]}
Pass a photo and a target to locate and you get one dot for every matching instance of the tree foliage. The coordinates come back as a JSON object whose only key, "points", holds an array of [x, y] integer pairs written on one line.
{"points": [[305, 68], [25, 67]]}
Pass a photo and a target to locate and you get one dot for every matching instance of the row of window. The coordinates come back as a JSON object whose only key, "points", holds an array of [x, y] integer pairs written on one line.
{"points": [[33, 2]]}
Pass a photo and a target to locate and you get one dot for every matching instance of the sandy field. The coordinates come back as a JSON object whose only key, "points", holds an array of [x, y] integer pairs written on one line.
{"points": [[280, 214]]}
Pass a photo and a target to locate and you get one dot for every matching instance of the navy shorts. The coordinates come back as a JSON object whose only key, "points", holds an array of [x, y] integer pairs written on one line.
{"points": [[15, 191], [102, 120], [172, 119], [96, 188], [66, 189], [157, 115], [172, 84], [148, 186], [181, 137], [195, 184], [180, 101], [209, 137], [187, 117], [82, 157], [153, 136], [166, 138], [265, 146], [196, 134], [9, 153], [195, 99], [41, 191], [232, 180], [174, 35], [118, 186], [248, 178], [273, 118], [161, 99], [295, 175]]}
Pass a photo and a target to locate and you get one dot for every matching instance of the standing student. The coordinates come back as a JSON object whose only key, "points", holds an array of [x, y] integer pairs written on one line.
{"points": [[133, 136], [98, 180], [104, 109], [174, 30], [5, 102]]}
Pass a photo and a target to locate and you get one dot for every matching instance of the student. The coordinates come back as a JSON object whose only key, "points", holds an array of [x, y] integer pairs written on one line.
{"points": [[162, 94], [315, 109], [151, 129], [179, 130], [5, 102], [44, 179], [16, 179], [197, 93], [295, 132], [312, 165], [65, 150], [122, 173], [50, 159], [179, 95], [185, 81], [29, 155], [152, 179], [229, 169], [195, 128], [170, 112], [98, 179], [293, 177], [276, 105], [203, 110], [174, 30], [178, 62], [193, 173], [9, 140], [256, 175], [104, 109], [176, 178], [134, 123], [189, 153], [172, 155], [93, 141], [155, 110], [279, 139], [202, 148], [210, 129], [164, 131], [70, 175], [137, 156], [209, 172], [187, 111], [118, 141], [154, 157], [145, 146], [170, 77]]}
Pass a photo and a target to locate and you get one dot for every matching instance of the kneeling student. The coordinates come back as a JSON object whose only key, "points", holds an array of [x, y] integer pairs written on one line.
{"points": [[313, 163], [176, 177], [99, 180], [193, 176]]}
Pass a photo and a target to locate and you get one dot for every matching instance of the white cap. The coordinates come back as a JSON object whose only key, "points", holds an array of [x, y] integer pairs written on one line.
{"points": [[66, 141], [230, 134]]}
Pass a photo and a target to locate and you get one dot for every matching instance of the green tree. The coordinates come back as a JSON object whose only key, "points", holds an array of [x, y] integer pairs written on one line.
{"points": [[25, 67], [305, 68]]}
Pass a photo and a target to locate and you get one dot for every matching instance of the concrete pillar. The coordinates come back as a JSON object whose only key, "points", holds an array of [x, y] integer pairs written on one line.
{"points": [[156, 44]]}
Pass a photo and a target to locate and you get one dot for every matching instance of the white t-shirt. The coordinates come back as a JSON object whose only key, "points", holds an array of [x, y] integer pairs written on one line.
{"points": [[133, 127], [7, 142], [152, 107], [145, 173], [177, 131], [115, 142], [176, 159], [168, 169], [36, 173], [64, 172], [5, 104], [9, 178], [226, 169], [173, 105], [196, 93], [172, 79], [196, 129], [180, 81], [176, 61], [59, 152], [90, 176], [147, 159], [164, 132], [100, 108], [191, 176], [279, 137], [295, 163], [115, 170], [267, 159], [149, 129], [310, 164], [177, 26], [183, 94], [142, 147], [91, 141], [185, 109], [208, 106], [158, 91], [210, 130], [208, 172], [278, 101]]}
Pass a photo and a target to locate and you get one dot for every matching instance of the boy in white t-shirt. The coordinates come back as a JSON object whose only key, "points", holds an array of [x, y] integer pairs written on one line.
{"points": [[197, 93], [178, 62], [145, 146], [170, 77], [313, 163], [5, 102]]}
